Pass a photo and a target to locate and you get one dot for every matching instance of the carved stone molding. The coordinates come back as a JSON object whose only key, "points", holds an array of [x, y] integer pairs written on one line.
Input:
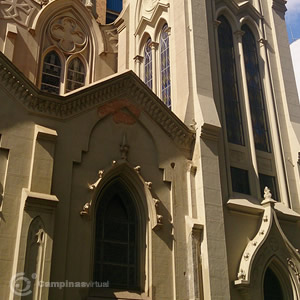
{"points": [[210, 132], [279, 6], [111, 38], [125, 84], [269, 242], [19, 11], [153, 203], [68, 34]]}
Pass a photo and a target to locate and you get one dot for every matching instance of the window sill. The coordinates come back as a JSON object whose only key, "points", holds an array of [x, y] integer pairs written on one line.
{"points": [[107, 293], [250, 205]]}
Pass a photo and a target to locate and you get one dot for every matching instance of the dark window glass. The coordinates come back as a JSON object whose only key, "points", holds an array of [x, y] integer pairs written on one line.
{"points": [[116, 240], [148, 63], [110, 17], [51, 74], [234, 124], [270, 182], [272, 286], [255, 92], [240, 181], [165, 66], [76, 75]]}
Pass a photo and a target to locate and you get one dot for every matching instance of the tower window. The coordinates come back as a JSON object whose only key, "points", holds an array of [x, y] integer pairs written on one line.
{"points": [[240, 181], [232, 108], [113, 9], [51, 74], [255, 92], [148, 63], [116, 255], [75, 75], [165, 66], [270, 182]]}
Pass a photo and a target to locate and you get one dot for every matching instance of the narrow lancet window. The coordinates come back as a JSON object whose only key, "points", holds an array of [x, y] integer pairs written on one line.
{"points": [[148, 63], [51, 75], [255, 92], [75, 75], [116, 253], [234, 124], [165, 66]]}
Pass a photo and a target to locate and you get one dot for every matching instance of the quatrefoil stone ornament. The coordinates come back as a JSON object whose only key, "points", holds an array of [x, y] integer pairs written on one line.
{"points": [[68, 34]]}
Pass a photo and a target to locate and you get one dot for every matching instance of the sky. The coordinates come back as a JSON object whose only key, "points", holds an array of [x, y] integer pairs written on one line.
{"points": [[293, 19]]}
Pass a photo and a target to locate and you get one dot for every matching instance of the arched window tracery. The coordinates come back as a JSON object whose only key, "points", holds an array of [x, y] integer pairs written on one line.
{"points": [[75, 75], [51, 73], [234, 126], [165, 66], [255, 92], [148, 64]]}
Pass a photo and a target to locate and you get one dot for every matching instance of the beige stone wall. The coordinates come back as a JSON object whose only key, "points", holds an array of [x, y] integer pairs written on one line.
{"points": [[52, 147], [101, 11]]}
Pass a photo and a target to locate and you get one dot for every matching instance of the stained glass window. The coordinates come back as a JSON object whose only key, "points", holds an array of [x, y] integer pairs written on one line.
{"points": [[75, 75], [148, 63], [51, 74], [116, 255], [234, 124], [272, 286], [165, 67], [255, 92]]}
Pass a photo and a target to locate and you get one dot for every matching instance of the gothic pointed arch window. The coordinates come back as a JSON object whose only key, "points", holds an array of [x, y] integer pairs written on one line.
{"points": [[75, 74], [148, 63], [51, 73], [255, 91], [116, 240], [165, 66], [234, 125], [272, 286]]}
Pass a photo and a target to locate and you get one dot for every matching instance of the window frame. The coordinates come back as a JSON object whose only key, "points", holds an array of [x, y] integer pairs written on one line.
{"points": [[237, 156], [138, 198], [68, 61], [160, 77], [103, 203], [64, 68]]}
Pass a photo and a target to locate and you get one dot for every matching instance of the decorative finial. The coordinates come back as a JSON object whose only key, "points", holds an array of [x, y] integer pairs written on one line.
{"points": [[86, 209], [137, 169], [124, 147], [267, 197], [149, 184], [267, 194], [94, 185]]}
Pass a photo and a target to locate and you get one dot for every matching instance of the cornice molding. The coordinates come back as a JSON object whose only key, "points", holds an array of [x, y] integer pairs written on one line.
{"points": [[125, 85], [210, 132], [279, 6]]}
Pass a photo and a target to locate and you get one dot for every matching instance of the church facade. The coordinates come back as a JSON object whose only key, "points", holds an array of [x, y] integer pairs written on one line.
{"points": [[149, 149]]}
